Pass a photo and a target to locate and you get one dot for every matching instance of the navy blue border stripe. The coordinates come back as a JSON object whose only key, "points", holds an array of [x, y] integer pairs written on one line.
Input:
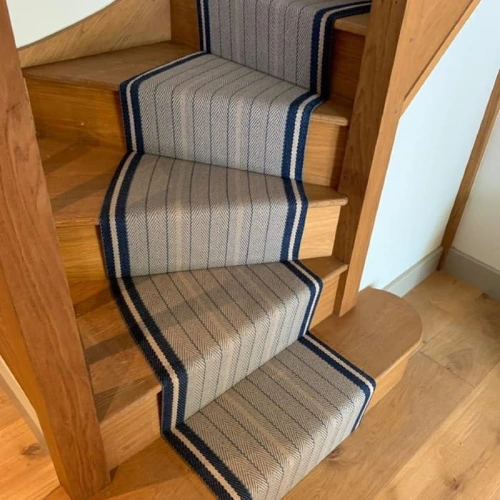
{"points": [[345, 360], [166, 349], [302, 219], [313, 298], [105, 222], [290, 218], [119, 220], [136, 331], [120, 216], [288, 139], [334, 364], [200, 468], [134, 96], [323, 87], [303, 129], [205, 41], [317, 280]]}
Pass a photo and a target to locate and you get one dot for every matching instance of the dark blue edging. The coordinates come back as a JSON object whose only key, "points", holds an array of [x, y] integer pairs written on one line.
{"points": [[200, 468], [351, 376]]}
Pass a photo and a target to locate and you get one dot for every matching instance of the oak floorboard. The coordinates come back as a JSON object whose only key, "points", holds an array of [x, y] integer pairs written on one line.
{"points": [[469, 347], [27, 470], [458, 450], [389, 435]]}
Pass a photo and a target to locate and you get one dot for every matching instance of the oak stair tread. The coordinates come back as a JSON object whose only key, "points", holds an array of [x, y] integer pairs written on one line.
{"points": [[378, 336], [78, 175], [109, 69], [357, 25], [106, 71]]}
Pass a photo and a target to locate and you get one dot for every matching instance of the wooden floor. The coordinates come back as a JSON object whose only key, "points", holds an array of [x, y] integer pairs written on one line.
{"points": [[436, 436]]}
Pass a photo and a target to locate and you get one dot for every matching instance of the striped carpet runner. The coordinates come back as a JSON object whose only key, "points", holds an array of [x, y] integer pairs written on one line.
{"points": [[165, 215], [260, 438], [201, 229]]}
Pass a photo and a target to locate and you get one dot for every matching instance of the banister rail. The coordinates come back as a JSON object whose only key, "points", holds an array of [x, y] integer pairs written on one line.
{"points": [[39, 338], [405, 40]]}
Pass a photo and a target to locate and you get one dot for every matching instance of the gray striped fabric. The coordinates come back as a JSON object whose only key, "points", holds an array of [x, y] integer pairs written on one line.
{"points": [[179, 215], [265, 434], [288, 39], [212, 180], [206, 109], [203, 331]]}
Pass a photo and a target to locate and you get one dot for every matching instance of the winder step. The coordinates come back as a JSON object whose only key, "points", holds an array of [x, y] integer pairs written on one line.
{"points": [[78, 176]]}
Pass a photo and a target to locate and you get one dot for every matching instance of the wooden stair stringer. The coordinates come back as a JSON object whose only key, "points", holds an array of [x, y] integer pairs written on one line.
{"points": [[379, 336], [126, 390]]}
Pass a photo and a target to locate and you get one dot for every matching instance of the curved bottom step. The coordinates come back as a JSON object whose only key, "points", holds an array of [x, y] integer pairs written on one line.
{"points": [[379, 337]]}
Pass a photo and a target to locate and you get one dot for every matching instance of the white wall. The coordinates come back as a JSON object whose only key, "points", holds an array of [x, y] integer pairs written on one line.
{"points": [[479, 232], [432, 147], [27, 16]]}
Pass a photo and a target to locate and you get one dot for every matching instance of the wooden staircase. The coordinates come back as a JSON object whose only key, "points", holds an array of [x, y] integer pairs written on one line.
{"points": [[105, 417], [80, 134]]}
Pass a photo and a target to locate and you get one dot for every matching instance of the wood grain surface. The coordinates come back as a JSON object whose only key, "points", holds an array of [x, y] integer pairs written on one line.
{"points": [[39, 338], [123, 24]]}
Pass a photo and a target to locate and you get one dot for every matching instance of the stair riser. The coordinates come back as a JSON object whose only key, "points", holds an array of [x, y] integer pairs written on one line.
{"points": [[83, 259], [94, 115], [138, 425], [346, 63], [346, 54]]}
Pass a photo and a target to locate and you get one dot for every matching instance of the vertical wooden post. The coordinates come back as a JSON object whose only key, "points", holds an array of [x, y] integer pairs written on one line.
{"points": [[405, 40], [376, 113], [39, 338]]}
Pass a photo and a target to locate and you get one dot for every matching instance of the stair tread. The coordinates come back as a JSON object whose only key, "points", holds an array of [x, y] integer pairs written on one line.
{"points": [[298, 407], [78, 175], [382, 332], [108, 70], [119, 372], [357, 25]]}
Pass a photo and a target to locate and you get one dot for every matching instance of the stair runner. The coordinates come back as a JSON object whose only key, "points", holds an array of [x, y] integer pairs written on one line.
{"points": [[201, 228]]}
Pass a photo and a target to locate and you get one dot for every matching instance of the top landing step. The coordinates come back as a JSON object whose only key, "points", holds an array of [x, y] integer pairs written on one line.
{"points": [[108, 70]]}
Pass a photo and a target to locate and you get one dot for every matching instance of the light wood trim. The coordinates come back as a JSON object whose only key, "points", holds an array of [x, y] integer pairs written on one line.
{"points": [[476, 156], [11, 387], [357, 25], [431, 62], [376, 112], [123, 24], [39, 338]]}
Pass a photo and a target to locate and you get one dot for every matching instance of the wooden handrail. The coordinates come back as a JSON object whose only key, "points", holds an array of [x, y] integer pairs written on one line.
{"points": [[39, 338]]}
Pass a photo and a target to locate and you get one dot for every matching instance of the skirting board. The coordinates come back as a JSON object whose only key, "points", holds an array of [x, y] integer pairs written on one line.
{"points": [[415, 275], [478, 274]]}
